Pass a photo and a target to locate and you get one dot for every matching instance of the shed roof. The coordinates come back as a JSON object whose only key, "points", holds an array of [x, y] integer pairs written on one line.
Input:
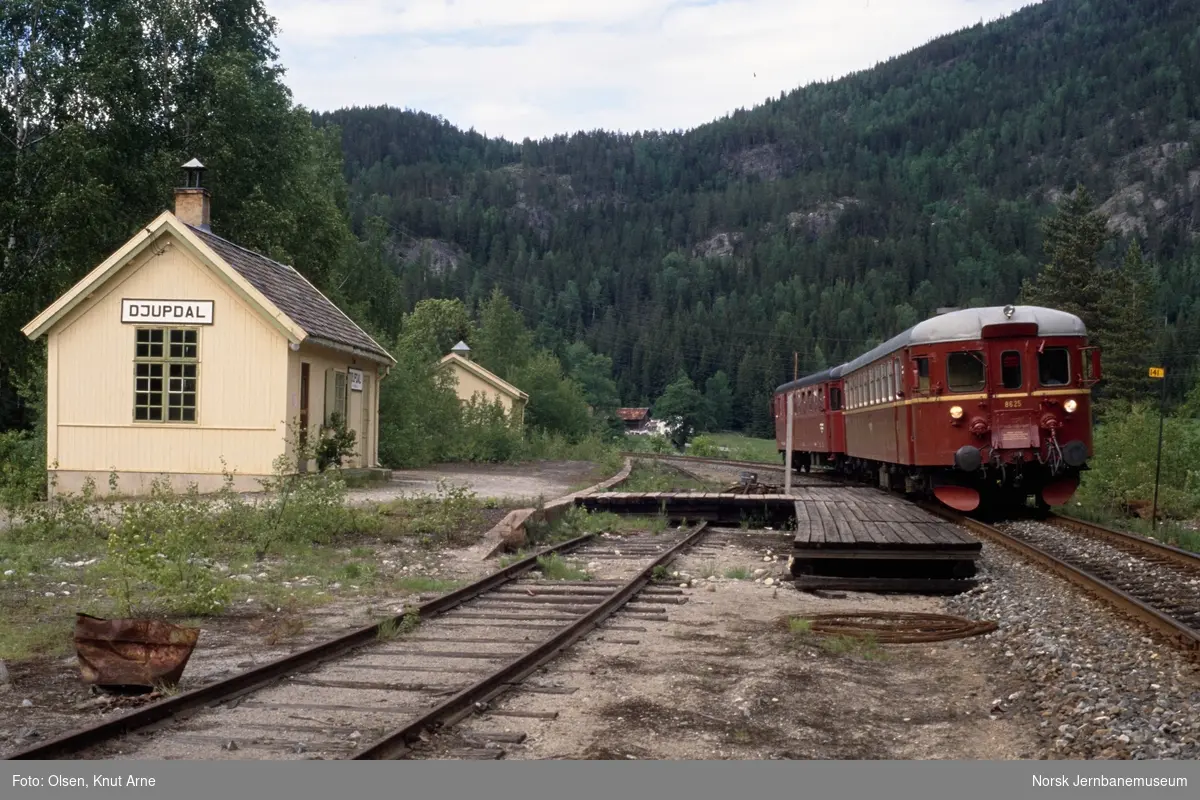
{"points": [[280, 293], [633, 414], [485, 375], [956, 326], [295, 296]]}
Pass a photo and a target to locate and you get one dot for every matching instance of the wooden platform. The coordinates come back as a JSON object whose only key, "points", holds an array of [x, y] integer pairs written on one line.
{"points": [[774, 510], [868, 540], [866, 520], [937, 586], [860, 536]]}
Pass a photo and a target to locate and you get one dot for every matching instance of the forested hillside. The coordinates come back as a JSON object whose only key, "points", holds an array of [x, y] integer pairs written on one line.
{"points": [[819, 222]]}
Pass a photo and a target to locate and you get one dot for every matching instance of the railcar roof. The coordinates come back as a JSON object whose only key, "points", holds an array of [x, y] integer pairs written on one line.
{"points": [[955, 326]]}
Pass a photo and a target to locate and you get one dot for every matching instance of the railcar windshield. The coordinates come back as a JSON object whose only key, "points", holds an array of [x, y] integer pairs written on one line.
{"points": [[965, 371], [1054, 367]]}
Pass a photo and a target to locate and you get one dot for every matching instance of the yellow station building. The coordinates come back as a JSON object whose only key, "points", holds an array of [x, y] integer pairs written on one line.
{"points": [[471, 381], [182, 351]]}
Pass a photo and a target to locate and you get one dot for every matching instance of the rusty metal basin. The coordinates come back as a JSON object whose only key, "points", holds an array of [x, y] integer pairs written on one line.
{"points": [[132, 652]]}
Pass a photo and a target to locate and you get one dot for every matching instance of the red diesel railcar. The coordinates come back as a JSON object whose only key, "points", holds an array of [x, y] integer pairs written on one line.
{"points": [[981, 406]]}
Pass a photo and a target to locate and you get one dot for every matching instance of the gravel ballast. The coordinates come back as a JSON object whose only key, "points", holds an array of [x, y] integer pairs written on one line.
{"points": [[1096, 685]]}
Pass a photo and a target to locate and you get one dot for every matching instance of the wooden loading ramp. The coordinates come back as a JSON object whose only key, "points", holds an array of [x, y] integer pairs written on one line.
{"points": [[846, 537]]}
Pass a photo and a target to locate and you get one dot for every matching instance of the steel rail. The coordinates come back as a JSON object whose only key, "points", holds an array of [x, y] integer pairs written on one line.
{"points": [[1185, 558], [222, 691], [703, 460], [395, 744], [1184, 637]]}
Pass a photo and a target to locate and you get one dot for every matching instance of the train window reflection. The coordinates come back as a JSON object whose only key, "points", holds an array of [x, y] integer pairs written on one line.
{"points": [[1054, 368], [923, 374], [1010, 369], [964, 372]]}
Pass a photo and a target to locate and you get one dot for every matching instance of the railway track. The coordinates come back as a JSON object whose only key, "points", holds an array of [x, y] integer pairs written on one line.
{"points": [[1155, 583], [372, 693], [717, 462]]}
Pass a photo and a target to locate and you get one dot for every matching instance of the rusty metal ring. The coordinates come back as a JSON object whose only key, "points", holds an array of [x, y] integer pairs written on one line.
{"points": [[893, 627]]}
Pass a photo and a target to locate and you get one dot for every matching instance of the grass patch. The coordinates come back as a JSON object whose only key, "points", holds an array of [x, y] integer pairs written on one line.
{"points": [[737, 573], [1167, 531], [512, 558], [173, 555], [391, 628], [554, 568], [865, 647], [744, 448], [573, 523], [20, 640], [656, 477], [452, 518]]}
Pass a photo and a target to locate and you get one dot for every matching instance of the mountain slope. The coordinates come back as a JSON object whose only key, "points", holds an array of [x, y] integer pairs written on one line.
{"points": [[819, 222]]}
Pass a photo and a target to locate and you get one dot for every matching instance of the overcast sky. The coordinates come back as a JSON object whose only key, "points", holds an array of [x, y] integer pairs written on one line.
{"points": [[534, 68]]}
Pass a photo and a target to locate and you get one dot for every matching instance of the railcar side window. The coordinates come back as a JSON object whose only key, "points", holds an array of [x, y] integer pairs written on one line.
{"points": [[1010, 369], [835, 399], [964, 372], [1054, 367], [922, 374]]}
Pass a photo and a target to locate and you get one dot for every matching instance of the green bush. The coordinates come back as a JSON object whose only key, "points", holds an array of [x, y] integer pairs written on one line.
{"points": [[156, 556], [22, 469], [487, 433], [336, 444], [297, 508], [451, 518], [703, 446], [1121, 478]]}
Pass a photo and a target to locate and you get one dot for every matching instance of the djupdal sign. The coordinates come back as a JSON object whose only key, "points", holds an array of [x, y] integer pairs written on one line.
{"points": [[180, 312]]}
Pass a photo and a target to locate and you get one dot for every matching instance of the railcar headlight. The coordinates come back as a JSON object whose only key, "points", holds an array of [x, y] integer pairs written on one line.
{"points": [[956, 412], [1070, 406]]}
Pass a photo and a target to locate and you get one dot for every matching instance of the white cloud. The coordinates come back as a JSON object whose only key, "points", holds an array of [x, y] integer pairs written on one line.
{"points": [[535, 68]]}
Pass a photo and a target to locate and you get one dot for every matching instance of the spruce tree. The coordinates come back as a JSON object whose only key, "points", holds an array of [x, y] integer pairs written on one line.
{"points": [[1125, 328], [1070, 280]]}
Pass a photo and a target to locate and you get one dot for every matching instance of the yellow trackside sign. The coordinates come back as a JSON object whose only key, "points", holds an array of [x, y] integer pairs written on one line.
{"points": [[1157, 372]]}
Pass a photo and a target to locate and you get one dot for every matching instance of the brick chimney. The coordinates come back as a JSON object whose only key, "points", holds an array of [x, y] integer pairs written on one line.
{"points": [[192, 201]]}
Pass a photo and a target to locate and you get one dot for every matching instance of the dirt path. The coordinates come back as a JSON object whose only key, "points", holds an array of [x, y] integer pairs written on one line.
{"points": [[526, 482]]}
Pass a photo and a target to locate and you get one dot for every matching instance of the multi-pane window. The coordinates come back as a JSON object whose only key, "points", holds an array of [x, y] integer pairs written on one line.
{"points": [[166, 371]]}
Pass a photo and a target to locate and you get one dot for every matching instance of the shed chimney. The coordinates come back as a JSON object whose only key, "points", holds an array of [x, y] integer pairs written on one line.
{"points": [[462, 350], [192, 202]]}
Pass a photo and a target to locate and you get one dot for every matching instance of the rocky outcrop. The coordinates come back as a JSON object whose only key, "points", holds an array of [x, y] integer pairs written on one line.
{"points": [[763, 161], [442, 256], [821, 218], [719, 245]]}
